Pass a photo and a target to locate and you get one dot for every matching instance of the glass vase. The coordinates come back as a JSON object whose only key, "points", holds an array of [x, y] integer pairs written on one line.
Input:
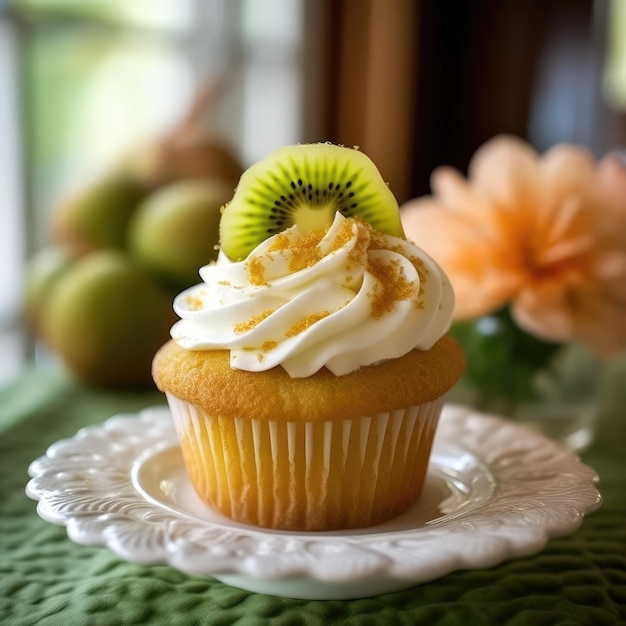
{"points": [[553, 388]]}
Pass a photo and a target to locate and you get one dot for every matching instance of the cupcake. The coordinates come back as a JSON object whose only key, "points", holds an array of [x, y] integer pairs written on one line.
{"points": [[307, 372]]}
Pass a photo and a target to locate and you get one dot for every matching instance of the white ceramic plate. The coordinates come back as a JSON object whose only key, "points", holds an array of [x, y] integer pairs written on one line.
{"points": [[493, 491]]}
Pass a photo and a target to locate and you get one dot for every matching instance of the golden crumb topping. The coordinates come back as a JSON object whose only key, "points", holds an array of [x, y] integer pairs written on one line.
{"points": [[255, 320], [306, 322], [305, 252], [392, 286], [340, 298], [342, 237], [194, 301], [256, 271]]}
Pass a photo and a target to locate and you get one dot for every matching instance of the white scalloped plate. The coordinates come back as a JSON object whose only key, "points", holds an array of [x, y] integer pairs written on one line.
{"points": [[494, 491]]}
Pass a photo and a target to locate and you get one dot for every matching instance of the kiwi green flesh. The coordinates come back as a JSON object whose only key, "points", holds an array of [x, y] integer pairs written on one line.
{"points": [[305, 185]]}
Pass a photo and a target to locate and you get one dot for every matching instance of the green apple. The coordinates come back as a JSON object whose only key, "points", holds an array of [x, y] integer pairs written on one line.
{"points": [[106, 318], [176, 229], [97, 215], [43, 271]]}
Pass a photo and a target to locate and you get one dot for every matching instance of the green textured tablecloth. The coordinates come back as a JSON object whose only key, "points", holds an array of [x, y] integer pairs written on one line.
{"points": [[46, 579]]}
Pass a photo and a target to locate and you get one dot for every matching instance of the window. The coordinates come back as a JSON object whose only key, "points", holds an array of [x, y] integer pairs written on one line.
{"points": [[82, 82]]}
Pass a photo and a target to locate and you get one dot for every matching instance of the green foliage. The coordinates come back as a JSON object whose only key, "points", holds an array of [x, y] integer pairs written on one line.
{"points": [[502, 359]]}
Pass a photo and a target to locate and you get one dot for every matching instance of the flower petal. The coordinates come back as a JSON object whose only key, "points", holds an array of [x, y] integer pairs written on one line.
{"points": [[589, 316], [611, 174], [566, 171], [452, 190], [505, 169], [469, 254]]}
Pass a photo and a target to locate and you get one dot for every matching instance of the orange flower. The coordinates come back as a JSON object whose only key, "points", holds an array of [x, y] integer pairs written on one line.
{"points": [[543, 234]]}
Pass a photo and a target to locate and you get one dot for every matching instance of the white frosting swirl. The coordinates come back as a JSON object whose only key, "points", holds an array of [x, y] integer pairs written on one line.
{"points": [[344, 299]]}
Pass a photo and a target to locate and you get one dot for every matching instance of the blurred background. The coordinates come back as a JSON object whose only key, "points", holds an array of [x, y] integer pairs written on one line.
{"points": [[414, 83]]}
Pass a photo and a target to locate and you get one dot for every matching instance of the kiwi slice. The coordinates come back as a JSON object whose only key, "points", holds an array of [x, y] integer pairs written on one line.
{"points": [[305, 185]]}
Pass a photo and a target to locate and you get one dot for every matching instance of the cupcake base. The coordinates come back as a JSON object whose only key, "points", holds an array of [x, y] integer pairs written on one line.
{"points": [[307, 476]]}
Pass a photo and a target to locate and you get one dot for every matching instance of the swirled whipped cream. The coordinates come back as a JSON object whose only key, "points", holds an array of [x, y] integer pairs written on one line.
{"points": [[341, 299]]}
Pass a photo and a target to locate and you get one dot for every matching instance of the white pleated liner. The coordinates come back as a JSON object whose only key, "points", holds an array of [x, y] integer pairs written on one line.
{"points": [[307, 475]]}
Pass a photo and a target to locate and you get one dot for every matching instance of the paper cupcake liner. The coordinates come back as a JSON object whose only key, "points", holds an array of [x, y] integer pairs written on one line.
{"points": [[307, 475]]}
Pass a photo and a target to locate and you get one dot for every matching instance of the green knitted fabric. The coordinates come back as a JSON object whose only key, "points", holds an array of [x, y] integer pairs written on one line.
{"points": [[46, 579]]}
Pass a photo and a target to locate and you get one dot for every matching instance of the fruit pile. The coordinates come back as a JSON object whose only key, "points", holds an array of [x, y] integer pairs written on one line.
{"points": [[100, 296]]}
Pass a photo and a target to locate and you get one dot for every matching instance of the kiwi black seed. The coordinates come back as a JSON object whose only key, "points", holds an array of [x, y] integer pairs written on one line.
{"points": [[305, 185]]}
